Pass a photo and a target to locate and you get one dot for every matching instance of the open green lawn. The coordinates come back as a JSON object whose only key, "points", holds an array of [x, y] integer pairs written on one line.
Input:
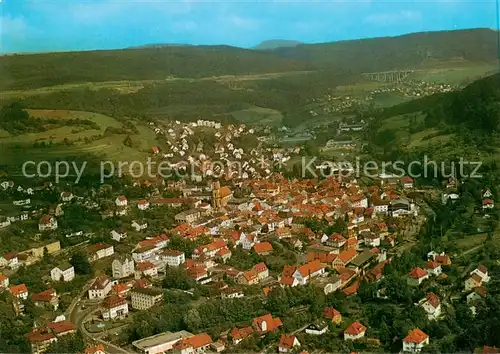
{"points": [[454, 75]]}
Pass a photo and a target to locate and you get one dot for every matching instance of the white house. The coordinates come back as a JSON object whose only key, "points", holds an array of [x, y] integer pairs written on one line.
{"points": [[433, 268], [355, 331], [432, 306], [139, 225], [247, 241], [47, 223], [114, 307], [308, 271], [100, 288], [317, 328], [66, 196], [482, 271], [99, 250], [64, 272], [173, 258], [415, 341], [142, 204], [122, 267], [287, 343], [118, 234], [4, 281], [121, 201]]}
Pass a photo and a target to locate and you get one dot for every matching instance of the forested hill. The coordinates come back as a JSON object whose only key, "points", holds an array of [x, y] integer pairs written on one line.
{"points": [[476, 107], [407, 51], [48, 69], [346, 57]]}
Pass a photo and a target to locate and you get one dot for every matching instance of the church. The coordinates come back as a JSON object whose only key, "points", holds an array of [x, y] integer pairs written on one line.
{"points": [[220, 195]]}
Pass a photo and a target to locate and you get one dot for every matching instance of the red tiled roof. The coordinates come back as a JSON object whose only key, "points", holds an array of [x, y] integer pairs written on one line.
{"points": [[94, 349], [330, 313], [416, 336], [417, 273], [145, 265], [198, 340], [263, 247], [271, 323], [40, 335], [259, 268], [352, 289], [44, 296], [432, 265], [17, 290], [61, 327], [310, 268], [287, 340], [490, 350], [355, 328], [113, 301], [241, 333], [433, 299]]}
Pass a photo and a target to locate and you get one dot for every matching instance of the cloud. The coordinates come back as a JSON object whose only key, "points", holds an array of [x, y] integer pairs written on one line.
{"points": [[13, 27], [393, 18], [242, 22]]}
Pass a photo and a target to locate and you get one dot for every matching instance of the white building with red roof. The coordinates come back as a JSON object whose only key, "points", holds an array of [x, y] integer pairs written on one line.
{"points": [[355, 331], [288, 342], [145, 269], [433, 268], [307, 271], [417, 276], [415, 341], [114, 307], [173, 258], [142, 204], [100, 288], [19, 291], [47, 223], [432, 305], [121, 201], [266, 323]]}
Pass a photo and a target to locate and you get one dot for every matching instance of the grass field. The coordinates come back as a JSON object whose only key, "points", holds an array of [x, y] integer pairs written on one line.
{"points": [[258, 116], [454, 75], [17, 149]]}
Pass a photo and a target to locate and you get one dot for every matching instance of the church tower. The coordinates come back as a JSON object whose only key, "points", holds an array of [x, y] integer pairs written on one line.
{"points": [[216, 197]]}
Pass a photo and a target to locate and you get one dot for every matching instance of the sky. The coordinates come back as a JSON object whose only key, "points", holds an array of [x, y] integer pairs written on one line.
{"points": [[55, 25]]}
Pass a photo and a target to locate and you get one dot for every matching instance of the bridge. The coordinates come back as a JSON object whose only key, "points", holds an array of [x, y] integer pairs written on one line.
{"points": [[395, 76]]}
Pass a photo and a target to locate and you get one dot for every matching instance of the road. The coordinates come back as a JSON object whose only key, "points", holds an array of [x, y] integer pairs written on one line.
{"points": [[80, 316]]}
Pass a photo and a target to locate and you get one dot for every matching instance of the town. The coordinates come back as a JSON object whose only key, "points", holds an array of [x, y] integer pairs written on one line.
{"points": [[232, 254]]}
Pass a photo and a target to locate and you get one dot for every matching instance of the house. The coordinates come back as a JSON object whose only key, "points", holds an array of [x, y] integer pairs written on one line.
{"points": [[114, 307], [19, 291], [173, 258], [122, 267], [66, 196], [142, 204], [473, 281], [407, 182], [488, 204], [64, 272], [40, 340], [415, 341], [433, 268], [238, 334], [95, 349], [47, 223], [139, 225], [330, 284], [99, 250], [247, 241], [224, 254], [209, 250], [47, 298], [145, 269], [308, 271], [198, 343], [266, 323], [188, 216], [118, 234], [261, 270], [10, 259], [287, 343], [482, 271], [336, 240], [263, 248], [218, 346], [4, 281], [144, 253], [417, 276], [4, 222], [332, 315], [355, 331], [231, 293], [248, 278], [145, 298], [100, 287], [317, 328], [62, 328], [477, 294], [121, 201], [432, 306]]}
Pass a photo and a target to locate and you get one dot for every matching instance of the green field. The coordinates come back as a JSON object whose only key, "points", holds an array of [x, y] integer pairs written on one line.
{"points": [[109, 146], [455, 75], [258, 116]]}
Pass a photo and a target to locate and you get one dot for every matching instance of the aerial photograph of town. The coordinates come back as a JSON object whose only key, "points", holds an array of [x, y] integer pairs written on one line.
{"points": [[259, 176]]}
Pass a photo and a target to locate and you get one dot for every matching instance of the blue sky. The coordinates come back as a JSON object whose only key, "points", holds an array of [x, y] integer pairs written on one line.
{"points": [[50, 25]]}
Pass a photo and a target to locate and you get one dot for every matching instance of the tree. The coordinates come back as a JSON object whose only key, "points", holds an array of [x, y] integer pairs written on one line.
{"points": [[72, 343], [81, 263]]}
